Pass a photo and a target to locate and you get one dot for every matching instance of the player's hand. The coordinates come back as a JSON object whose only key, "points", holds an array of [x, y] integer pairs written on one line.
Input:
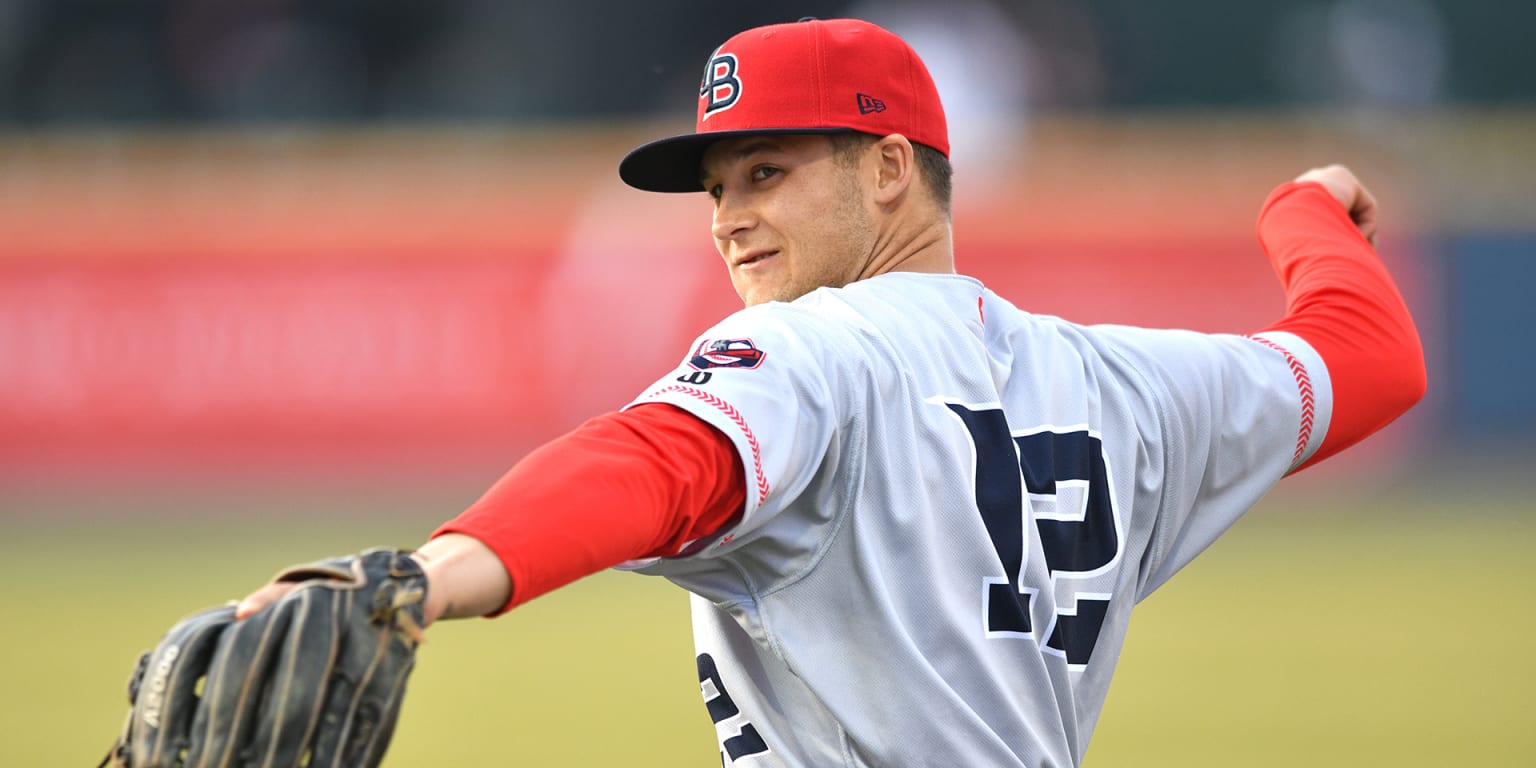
{"points": [[1356, 199], [273, 591]]}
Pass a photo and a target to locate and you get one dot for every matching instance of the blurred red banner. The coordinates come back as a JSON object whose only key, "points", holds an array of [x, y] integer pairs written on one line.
{"points": [[437, 304]]}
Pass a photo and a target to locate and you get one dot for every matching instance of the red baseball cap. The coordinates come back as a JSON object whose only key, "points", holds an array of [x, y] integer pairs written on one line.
{"points": [[813, 76]]}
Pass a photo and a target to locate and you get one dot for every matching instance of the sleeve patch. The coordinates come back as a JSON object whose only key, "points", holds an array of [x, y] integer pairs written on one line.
{"points": [[726, 353], [736, 418]]}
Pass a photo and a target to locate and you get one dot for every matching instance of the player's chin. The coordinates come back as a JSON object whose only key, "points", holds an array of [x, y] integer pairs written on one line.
{"points": [[752, 299], [753, 290]]}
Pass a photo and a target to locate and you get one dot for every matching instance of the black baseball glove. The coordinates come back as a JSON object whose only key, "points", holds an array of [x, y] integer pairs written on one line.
{"points": [[314, 679]]}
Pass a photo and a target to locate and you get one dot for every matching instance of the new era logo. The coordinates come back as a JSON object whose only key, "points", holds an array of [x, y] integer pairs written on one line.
{"points": [[868, 104]]}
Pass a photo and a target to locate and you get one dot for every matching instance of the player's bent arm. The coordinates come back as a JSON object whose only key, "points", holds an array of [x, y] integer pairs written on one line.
{"points": [[1342, 301]]}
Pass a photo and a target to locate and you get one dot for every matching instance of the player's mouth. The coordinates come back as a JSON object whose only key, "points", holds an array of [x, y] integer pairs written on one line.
{"points": [[754, 257]]}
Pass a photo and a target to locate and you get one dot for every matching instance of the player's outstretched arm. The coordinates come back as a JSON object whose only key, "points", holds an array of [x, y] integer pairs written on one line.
{"points": [[624, 486], [1318, 232]]}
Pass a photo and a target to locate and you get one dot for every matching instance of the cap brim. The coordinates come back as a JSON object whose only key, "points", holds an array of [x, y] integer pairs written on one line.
{"points": [[673, 164]]}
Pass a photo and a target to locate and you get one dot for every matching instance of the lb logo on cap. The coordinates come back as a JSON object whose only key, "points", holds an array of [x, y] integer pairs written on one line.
{"points": [[720, 87]]}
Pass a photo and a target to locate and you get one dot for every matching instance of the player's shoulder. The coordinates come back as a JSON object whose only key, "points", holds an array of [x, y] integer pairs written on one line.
{"points": [[792, 338]]}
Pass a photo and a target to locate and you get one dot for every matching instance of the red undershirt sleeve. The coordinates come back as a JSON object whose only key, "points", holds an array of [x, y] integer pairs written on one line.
{"points": [[641, 483], [1340, 299]]}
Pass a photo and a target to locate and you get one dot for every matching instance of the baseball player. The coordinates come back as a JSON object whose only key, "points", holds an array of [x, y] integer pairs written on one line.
{"points": [[913, 517]]}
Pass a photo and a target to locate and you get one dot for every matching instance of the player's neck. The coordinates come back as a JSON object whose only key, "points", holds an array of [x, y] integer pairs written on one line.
{"points": [[926, 245]]}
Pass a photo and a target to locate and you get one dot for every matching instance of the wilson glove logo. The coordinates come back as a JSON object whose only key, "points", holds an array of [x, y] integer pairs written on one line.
{"points": [[726, 353], [720, 87], [154, 697]]}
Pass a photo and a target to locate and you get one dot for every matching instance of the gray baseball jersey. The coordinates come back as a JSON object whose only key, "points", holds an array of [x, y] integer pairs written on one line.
{"points": [[952, 506]]}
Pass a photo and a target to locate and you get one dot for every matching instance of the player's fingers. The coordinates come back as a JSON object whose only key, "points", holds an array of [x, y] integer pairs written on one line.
{"points": [[1364, 214], [1358, 200], [263, 597], [1367, 224]]}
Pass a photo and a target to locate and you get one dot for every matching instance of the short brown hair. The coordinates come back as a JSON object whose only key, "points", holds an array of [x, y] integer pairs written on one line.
{"points": [[932, 165]]}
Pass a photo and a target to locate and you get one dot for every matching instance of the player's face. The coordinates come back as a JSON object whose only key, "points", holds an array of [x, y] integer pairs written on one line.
{"points": [[790, 216]]}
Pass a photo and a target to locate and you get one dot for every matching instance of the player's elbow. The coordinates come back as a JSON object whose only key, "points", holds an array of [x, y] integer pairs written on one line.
{"points": [[1388, 368], [1417, 383], [1409, 377]]}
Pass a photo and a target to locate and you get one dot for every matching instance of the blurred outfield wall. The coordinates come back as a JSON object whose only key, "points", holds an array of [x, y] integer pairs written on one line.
{"points": [[426, 305]]}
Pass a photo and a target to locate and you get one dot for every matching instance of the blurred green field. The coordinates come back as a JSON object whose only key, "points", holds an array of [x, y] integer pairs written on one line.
{"points": [[1389, 629]]}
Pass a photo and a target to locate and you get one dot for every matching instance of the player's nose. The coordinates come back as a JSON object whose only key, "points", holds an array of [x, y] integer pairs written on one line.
{"points": [[732, 220]]}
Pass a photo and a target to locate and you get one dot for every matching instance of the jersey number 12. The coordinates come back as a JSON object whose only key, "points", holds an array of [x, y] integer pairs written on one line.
{"points": [[1080, 537]]}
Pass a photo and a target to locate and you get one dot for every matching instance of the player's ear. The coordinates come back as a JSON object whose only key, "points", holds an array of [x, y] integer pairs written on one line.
{"points": [[897, 164]]}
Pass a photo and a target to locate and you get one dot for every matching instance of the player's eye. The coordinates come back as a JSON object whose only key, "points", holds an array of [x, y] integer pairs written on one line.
{"points": [[764, 172], [716, 191]]}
